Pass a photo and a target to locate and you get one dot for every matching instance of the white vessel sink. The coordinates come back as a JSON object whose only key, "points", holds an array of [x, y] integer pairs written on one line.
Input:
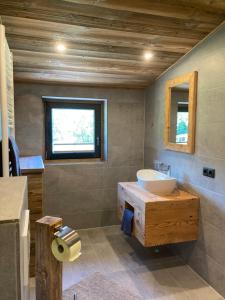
{"points": [[156, 182]]}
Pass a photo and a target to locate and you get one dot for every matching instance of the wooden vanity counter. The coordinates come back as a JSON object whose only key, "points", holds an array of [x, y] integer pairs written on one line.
{"points": [[33, 168], [160, 220]]}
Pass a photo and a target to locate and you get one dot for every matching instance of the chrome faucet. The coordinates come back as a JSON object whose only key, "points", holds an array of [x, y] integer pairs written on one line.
{"points": [[162, 167]]}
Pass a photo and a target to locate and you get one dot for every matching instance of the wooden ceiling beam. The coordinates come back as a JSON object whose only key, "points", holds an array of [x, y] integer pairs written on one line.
{"points": [[71, 63], [91, 69], [72, 59], [198, 10], [98, 12], [89, 50], [46, 77], [46, 13], [76, 74], [72, 30], [86, 50], [214, 7], [59, 32]]}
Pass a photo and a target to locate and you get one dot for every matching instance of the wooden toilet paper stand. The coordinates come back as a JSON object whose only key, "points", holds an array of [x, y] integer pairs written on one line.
{"points": [[48, 269]]}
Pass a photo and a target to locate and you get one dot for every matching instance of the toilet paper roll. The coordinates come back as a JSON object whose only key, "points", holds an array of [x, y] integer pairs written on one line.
{"points": [[66, 246]]}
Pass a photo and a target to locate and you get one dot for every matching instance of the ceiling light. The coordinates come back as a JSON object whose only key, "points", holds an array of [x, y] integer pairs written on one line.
{"points": [[148, 55], [60, 47]]}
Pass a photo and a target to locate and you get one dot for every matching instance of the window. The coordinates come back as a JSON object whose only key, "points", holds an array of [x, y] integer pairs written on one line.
{"points": [[72, 129], [182, 123]]}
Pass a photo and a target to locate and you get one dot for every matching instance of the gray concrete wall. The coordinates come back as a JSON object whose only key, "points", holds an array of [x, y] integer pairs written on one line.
{"points": [[207, 255], [9, 257], [84, 193]]}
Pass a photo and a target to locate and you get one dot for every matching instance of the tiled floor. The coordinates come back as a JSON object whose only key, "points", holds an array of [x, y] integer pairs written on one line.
{"points": [[152, 273]]}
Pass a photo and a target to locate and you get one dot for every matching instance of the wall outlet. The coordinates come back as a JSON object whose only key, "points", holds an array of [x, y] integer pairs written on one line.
{"points": [[208, 172]]}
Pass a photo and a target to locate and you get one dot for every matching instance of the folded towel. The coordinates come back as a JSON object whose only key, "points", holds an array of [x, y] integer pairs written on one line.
{"points": [[127, 221]]}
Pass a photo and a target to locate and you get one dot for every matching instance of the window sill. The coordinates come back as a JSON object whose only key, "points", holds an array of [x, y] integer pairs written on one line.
{"points": [[63, 162]]}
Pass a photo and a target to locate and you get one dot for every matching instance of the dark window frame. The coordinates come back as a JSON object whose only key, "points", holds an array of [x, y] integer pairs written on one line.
{"points": [[182, 107], [96, 106]]}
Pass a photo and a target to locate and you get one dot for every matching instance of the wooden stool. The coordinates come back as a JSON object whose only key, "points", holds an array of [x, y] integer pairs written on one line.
{"points": [[48, 269]]}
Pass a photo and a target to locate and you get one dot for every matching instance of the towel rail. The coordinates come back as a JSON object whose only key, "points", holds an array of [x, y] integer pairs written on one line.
{"points": [[6, 99]]}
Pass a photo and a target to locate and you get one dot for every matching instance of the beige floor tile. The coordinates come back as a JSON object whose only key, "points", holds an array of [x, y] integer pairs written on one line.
{"points": [[195, 287], [151, 273]]}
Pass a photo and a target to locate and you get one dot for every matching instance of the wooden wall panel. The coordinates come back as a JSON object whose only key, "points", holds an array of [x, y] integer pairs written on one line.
{"points": [[35, 196]]}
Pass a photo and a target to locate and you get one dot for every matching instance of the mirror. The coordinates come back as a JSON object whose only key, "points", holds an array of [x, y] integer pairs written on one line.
{"points": [[180, 113]]}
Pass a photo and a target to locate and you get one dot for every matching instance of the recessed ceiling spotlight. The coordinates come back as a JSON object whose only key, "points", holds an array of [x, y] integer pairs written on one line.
{"points": [[148, 55], [60, 47]]}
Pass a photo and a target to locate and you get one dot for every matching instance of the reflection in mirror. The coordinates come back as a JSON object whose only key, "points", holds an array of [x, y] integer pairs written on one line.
{"points": [[179, 114]]}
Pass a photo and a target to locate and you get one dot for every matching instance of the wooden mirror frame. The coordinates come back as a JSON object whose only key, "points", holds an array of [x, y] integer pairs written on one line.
{"points": [[191, 78]]}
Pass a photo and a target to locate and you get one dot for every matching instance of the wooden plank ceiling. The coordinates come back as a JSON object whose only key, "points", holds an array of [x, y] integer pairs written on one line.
{"points": [[105, 40]]}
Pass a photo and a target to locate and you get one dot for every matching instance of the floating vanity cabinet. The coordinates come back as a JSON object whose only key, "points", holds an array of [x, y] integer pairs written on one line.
{"points": [[160, 220], [14, 236], [33, 168]]}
